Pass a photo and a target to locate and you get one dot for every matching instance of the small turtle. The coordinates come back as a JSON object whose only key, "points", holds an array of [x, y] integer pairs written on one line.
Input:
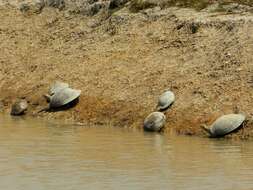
{"points": [[62, 97], [165, 100], [56, 87], [19, 107], [154, 121], [225, 125]]}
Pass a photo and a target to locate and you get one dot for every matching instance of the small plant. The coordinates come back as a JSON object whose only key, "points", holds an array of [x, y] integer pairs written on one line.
{"points": [[137, 5]]}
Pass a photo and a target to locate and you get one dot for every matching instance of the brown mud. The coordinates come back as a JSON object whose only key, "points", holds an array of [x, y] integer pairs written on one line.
{"points": [[123, 62]]}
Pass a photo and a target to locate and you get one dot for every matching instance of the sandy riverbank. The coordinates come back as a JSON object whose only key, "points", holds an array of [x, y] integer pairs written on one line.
{"points": [[124, 62]]}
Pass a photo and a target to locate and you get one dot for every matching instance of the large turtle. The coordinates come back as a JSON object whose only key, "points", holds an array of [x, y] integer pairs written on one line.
{"points": [[19, 107], [154, 122], [57, 86], [62, 97], [225, 125], [165, 100]]}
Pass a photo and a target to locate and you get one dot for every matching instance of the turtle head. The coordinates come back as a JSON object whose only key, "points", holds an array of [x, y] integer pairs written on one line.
{"points": [[47, 97], [206, 128]]}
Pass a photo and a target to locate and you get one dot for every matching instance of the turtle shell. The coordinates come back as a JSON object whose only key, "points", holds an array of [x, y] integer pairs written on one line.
{"points": [[154, 121], [226, 124], [19, 107], [165, 100], [63, 97], [57, 86]]}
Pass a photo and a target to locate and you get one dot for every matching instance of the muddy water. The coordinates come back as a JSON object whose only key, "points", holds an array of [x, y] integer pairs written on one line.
{"points": [[36, 155]]}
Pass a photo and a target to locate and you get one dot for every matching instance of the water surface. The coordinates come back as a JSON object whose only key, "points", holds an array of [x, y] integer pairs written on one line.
{"points": [[37, 155]]}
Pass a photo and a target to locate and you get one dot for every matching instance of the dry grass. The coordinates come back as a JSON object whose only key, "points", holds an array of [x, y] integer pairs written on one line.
{"points": [[137, 5]]}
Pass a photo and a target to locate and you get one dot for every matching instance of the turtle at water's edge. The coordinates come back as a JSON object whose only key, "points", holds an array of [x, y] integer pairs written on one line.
{"points": [[61, 98], [19, 107], [154, 122], [225, 125], [165, 100]]}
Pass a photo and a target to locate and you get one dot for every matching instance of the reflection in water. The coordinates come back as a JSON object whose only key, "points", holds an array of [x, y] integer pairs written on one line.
{"points": [[40, 155]]}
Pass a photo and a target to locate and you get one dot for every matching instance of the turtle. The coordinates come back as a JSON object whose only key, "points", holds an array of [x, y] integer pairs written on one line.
{"points": [[154, 122], [19, 107], [61, 98], [165, 100], [56, 86], [225, 125]]}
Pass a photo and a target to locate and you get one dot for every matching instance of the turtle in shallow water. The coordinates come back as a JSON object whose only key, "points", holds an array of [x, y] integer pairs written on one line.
{"points": [[154, 122], [225, 125], [61, 98], [57, 86], [165, 100], [19, 107]]}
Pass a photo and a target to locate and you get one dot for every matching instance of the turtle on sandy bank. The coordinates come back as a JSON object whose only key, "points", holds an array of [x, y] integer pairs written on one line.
{"points": [[61, 98], [225, 125], [19, 107], [154, 122], [165, 100]]}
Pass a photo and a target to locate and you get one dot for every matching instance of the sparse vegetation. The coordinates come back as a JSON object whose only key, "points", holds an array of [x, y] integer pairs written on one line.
{"points": [[137, 5], [197, 4]]}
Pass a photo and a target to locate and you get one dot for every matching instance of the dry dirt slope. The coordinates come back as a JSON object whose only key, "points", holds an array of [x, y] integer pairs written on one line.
{"points": [[123, 63]]}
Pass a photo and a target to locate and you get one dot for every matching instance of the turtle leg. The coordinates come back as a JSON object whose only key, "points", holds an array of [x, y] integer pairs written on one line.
{"points": [[43, 110], [206, 128]]}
